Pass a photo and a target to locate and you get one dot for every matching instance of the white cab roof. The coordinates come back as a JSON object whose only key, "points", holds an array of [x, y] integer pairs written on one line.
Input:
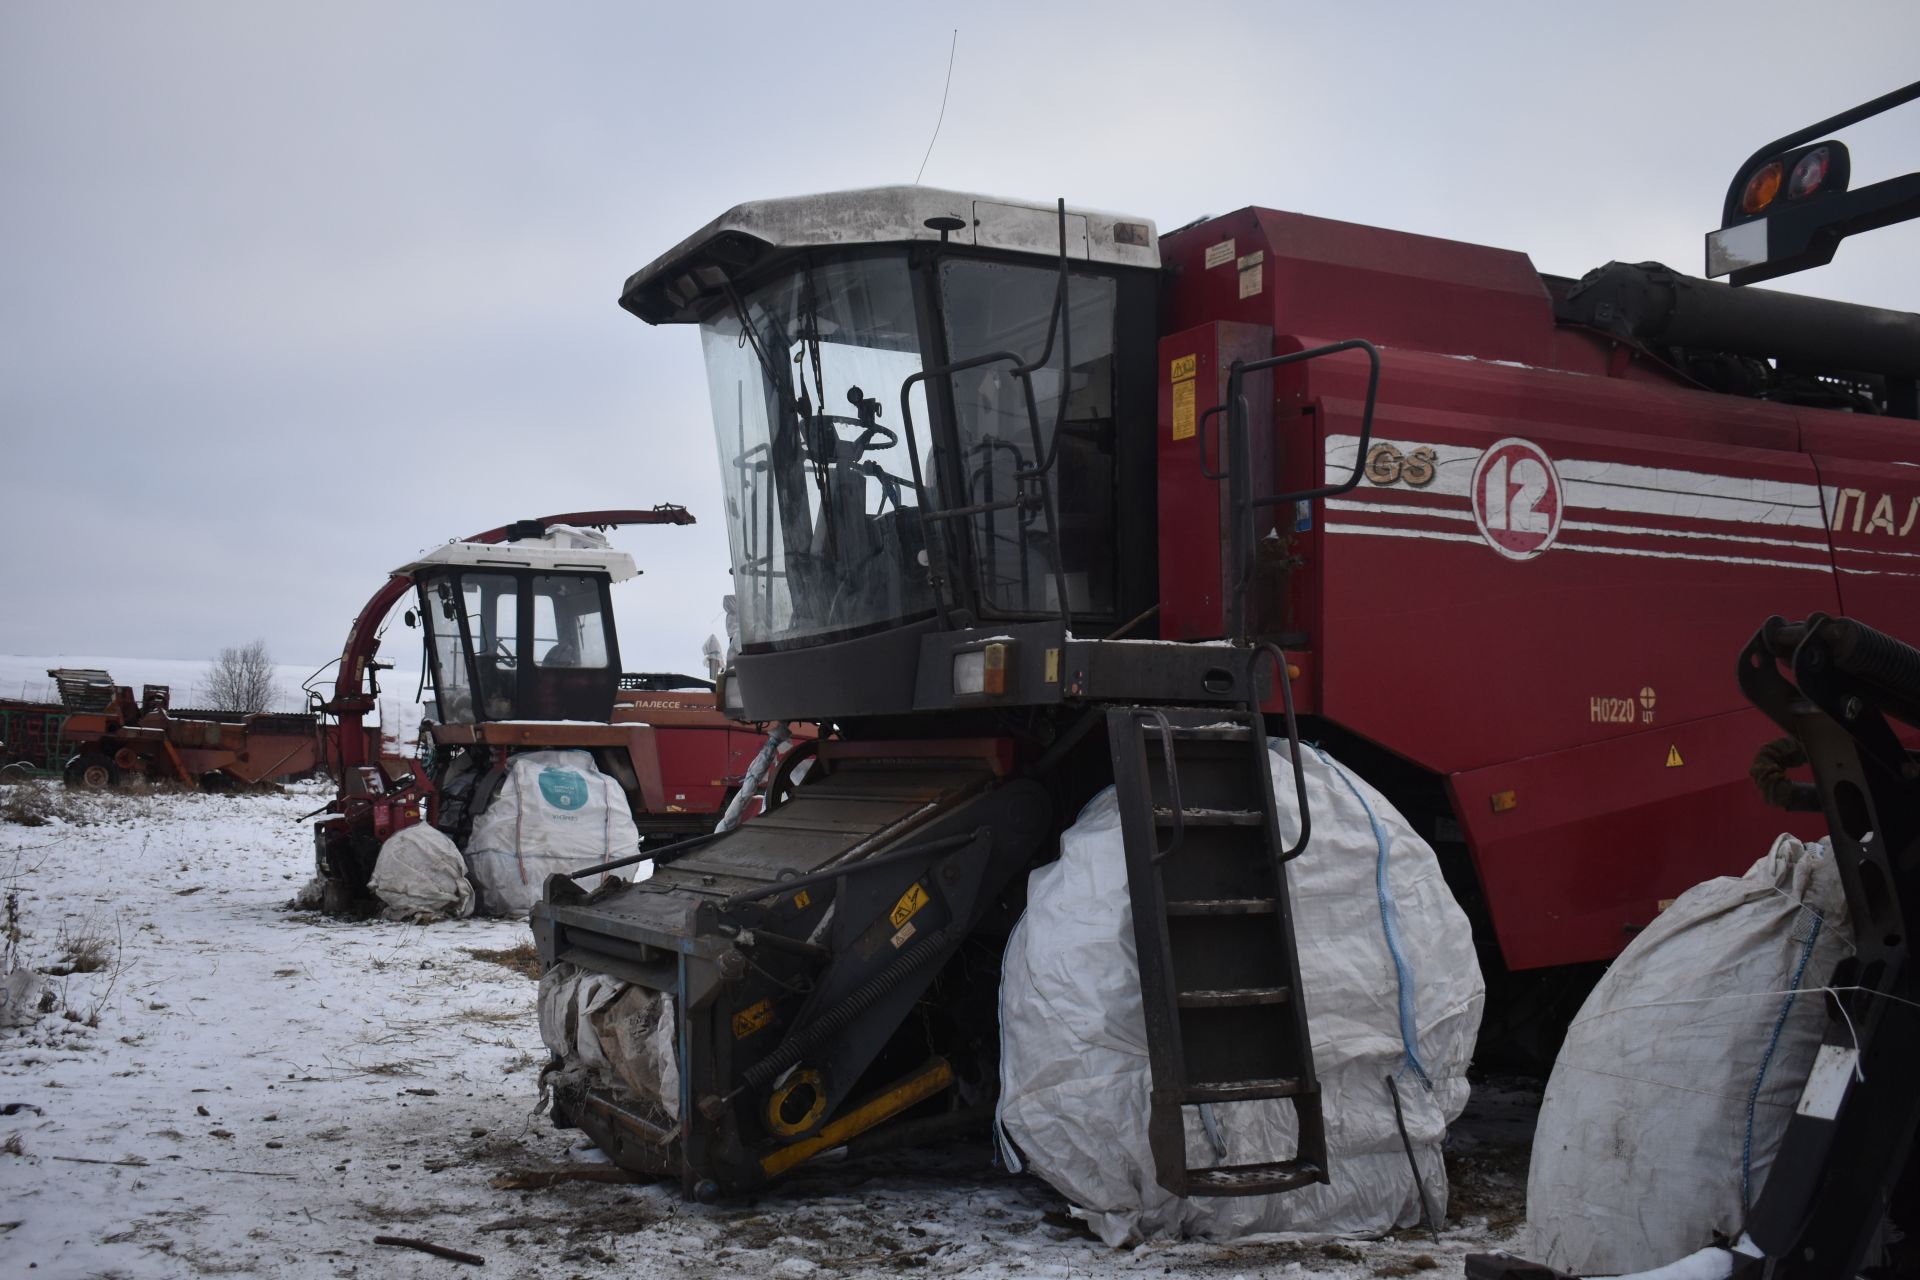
{"points": [[890, 215], [562, 549]]}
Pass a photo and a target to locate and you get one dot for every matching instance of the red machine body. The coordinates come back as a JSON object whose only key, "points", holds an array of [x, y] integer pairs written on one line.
{"points": [[1560, 542]]}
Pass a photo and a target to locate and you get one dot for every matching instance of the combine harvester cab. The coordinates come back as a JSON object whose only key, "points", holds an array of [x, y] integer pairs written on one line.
{"points": [[522, 655], [1028, 501]]}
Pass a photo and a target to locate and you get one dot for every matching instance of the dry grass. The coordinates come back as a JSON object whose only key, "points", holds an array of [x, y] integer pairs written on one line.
{"points": [[28, 805], [522, 959], [13, 1146], [84, 947], [391, 1069]]}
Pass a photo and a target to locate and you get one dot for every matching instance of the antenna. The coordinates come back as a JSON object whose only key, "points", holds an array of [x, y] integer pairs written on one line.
{"points": [[951, 49]]}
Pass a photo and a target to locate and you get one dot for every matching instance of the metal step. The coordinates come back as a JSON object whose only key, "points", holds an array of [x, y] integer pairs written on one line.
{"points": [[1243, 998], [1254, 1179], [1211, 817], [1222, 907], [1241, 1090], [1212, 733]]}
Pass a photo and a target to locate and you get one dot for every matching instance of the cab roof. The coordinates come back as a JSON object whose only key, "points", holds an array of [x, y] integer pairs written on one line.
{"points": [[681, 284], [561, 550]]}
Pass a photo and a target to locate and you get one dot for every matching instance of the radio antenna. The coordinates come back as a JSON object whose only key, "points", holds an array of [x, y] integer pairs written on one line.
{"points": [[943, 106]]}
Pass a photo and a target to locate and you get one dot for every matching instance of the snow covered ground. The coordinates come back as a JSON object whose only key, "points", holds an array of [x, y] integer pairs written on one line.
{"points": [[240, 1089]]}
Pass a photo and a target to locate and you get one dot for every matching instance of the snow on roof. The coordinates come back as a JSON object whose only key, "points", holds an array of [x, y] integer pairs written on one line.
{"points": [[562, 548]]}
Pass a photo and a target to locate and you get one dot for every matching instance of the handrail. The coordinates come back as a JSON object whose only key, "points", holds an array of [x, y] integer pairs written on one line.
{"points": [[1060, 321], [1174, 802], [1282, 675], [1239, 463]]}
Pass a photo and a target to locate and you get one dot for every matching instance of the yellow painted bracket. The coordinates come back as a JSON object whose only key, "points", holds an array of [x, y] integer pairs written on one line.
{"points": [[888, 1103]]}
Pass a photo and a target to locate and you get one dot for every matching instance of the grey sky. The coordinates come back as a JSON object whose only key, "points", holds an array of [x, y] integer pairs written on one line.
{"points": [[292, 293]]}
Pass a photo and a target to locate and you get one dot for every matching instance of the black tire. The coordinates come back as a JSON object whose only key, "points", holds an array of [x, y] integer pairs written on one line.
{"points": [[92, 771]]}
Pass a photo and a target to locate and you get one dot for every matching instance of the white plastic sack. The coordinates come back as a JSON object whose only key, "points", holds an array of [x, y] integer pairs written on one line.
{"points": [[421, 875], [555, 812], [20, 997], [1074, 1074], [568, 1000], [617, 1034], [1659, 1087]]}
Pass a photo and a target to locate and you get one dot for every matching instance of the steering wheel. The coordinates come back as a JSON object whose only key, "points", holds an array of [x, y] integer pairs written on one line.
{"points": [[863, 443]]}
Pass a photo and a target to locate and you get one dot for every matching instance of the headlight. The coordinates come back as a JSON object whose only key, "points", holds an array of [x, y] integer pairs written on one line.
{"points": [[970, 673]]}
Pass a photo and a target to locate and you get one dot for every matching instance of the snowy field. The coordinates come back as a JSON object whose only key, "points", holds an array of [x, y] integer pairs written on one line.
{"points": [[226, 1087]]}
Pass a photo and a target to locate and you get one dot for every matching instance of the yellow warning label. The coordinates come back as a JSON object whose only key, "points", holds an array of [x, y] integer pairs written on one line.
{"points": [[751, 1019], [1673, 758], [1053, 666], [1184, 367], [910, 903], [1183, 410], [802, 900]]}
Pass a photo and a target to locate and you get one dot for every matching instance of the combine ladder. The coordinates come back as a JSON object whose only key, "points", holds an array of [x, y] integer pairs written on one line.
{"points": [[1213, 926]]}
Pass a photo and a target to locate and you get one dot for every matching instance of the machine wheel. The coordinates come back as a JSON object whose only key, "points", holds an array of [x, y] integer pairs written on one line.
{"points": [[91, 771]]}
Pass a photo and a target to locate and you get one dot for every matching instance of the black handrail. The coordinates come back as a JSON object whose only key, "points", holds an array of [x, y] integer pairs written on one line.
{"points": [[1282, 674], [1174, 803], [1239, 463], [1060, 320]]}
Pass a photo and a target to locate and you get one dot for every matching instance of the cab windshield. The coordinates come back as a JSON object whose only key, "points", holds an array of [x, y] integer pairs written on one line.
{"points": [[824, 519], [511, 644], [805, 372]]}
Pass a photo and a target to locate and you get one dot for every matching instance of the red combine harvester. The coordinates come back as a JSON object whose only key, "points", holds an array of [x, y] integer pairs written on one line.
{"points": [[1106, 506], [522, 654]]}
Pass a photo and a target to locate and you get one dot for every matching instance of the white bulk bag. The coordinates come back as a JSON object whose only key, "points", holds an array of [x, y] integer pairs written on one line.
{"points": [[616, 1034], [1690, 1052], [420, 874], [1074, 1074], [555, 812]]}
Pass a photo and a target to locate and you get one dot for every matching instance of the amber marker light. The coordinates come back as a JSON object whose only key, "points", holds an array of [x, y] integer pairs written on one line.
{"points": [[1762, 187], [996, 672]]}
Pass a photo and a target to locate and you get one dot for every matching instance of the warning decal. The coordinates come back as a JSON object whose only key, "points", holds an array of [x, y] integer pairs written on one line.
{"points": [[751, 1019], [1182, 372], [1183, 410], [1673, 758], [910, 903]]}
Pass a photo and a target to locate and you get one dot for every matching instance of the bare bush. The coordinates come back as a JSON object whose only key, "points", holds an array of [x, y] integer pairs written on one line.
{"points": [[26, 806], [239, 680], [85, 947]]}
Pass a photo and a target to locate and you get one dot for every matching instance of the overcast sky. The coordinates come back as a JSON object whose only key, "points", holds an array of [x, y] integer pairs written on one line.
{"points": [[290, 293]]}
